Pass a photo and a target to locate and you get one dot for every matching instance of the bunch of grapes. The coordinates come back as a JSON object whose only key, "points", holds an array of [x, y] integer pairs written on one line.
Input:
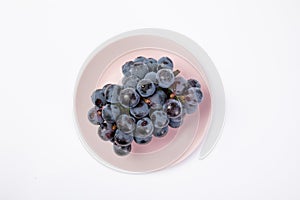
{"points": [[151, 99]]}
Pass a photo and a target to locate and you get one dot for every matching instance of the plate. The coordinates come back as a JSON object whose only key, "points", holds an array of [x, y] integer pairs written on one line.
{"points": [[104, 66]]}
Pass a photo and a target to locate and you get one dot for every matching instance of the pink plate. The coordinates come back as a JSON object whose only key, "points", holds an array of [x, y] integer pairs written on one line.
{"points": [[104, 66]]}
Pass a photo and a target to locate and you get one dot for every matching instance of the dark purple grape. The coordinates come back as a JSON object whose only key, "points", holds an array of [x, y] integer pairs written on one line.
{"points": [[126, 123], [179, 118], [130, 81], [152, 64], [145, 87], [193, 96], [98, 98], [173, 108], [112, 92], [122, 139], [160, 132], [159, 119], [199, 95], [139, 69], [110, 113], [179, 86], [94, 116], [165, 78], [105, 86], [140, 110], [189, 108], [165, 63], [144, 128], [129, 97], [140, 59], [106, 131], [151, 76], [145, 140], [126, 68], [194, 83], [157, 99], [122, 150], [175, 124]]}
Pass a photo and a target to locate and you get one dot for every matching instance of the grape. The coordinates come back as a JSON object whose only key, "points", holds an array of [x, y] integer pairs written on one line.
{"points": [[189, 109], [126, 123], [106, 131], [160, 132], [144, 128], [179, 86], [179, 118], [194, 83], [126, 68], [159, 119], [139, 69], [140, 59], [175, 124], [145, 140], [94, 116], [193, 96], [151, 76], [165, 63], [151, 110], [98, 98], [140, 110], [199, 95], [129, 97], [130, 81], [122, 150], [145, 87], [165, 78], [173, 108], [122, 139], [152, 64], [110, 113], [112, 92], [105, 86], [157, 100]]}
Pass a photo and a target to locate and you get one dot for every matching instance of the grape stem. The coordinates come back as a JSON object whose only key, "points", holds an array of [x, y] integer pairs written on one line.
{"points": [[176, 72], [181, 98]]}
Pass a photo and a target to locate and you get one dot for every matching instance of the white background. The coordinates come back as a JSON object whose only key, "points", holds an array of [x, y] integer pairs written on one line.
{"points": [[255, 46]]}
